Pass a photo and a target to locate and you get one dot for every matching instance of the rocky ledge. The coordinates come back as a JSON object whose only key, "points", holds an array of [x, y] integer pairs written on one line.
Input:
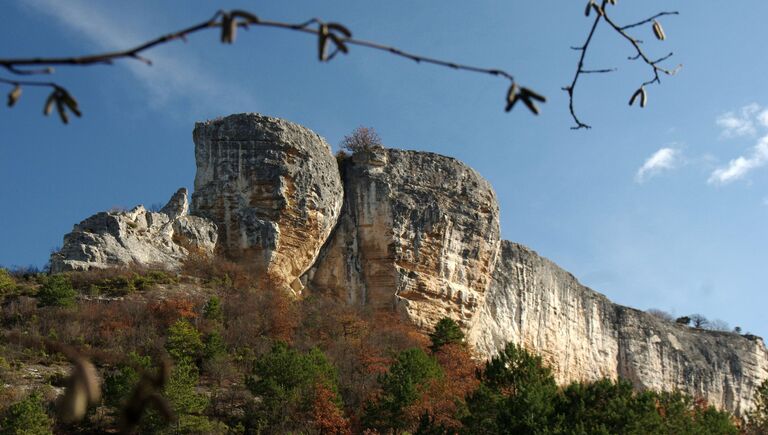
{"points": [[136, 237]]}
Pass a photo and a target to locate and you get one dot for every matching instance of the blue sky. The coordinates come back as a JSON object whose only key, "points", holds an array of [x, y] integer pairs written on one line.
{"points": [[660, 207]]}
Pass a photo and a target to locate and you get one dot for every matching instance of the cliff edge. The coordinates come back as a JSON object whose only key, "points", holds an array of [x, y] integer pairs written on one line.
{"points": [[584, 336]]}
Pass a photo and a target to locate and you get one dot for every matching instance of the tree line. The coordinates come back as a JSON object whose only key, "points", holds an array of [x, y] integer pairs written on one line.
{"points": [[209, 351]]}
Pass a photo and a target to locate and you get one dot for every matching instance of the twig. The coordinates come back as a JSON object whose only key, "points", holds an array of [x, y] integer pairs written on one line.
{"points": [[598, 71], [108, 57], [228, 22], [641, 55], [648, 20], [29, 83], [579, 70]]}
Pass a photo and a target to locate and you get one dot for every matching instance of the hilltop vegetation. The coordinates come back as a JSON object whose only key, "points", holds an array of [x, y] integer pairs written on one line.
{"points": [[247, 359]]}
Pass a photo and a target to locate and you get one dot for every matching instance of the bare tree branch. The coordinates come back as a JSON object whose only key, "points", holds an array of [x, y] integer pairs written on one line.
{"points": [[648, 20], [229, 21], [601, 14], [598, 71], [579, 69]]}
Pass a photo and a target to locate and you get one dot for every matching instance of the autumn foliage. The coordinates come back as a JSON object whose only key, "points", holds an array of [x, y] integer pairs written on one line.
{"points": [[312, 364]]}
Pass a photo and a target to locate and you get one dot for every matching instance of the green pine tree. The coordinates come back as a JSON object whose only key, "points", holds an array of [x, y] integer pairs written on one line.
{"points": [[284, 380], [446, 331], [517, 395], [57, 291], [184, 341], [401, 386]]}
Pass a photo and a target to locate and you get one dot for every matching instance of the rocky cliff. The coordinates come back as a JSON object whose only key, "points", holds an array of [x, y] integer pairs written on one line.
{"points": [[137, 236], [412, 231], [583, 336], [272, 187], [418, 231]]}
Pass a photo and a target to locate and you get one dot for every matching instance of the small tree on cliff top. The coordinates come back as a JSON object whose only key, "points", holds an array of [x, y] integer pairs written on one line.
{"points": [[361, 139]]}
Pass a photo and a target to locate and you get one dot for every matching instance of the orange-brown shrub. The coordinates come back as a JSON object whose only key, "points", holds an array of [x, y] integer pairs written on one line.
{"points": [[361, 139], [169, 310], [219, 271], [443, 397], [326, 416]]}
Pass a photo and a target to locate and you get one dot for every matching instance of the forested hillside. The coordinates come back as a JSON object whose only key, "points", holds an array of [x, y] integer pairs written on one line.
{"points": [[210, 350]]}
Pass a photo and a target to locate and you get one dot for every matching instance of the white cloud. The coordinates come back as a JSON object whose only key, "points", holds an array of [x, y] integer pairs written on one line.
{"points": [[762, 118], [740, 166], [750, 118], [170, 78], [742, 123], [661, 160]]}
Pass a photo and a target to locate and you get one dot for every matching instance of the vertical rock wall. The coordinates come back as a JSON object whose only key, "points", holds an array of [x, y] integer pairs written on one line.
{"points": [[272, 187], [418, 230], [583, 336]]}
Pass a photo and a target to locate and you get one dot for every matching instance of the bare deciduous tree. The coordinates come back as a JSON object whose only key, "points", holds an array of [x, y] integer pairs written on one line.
{"points": [[661, 314], [718, 325], [361, 139], [699, 321]]}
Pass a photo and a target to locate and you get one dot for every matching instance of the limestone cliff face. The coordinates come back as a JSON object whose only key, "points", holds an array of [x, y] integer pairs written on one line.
{"points": [[583, 336], [418, 231], [272, 187], [414, 231], [138, 236]]}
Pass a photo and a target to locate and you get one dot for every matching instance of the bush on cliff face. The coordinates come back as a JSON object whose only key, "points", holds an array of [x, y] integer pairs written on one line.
{"points": [[361, 139]]}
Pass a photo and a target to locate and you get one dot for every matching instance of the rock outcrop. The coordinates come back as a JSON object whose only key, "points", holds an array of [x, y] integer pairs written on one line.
{"points": [[136, 237], [418, 231], [583, 336], [272, 187], [413, 231]]}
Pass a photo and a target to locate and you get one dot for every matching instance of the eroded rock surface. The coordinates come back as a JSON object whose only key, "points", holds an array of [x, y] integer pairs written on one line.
{"points": [[583, 336], [137, 236], [413, 231], [418, 231], [272, 187]]}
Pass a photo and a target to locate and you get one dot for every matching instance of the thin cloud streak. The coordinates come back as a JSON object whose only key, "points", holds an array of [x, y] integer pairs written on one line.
{"points": [[170, 78], [662, 160], [741, 166], [741, 123]]}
